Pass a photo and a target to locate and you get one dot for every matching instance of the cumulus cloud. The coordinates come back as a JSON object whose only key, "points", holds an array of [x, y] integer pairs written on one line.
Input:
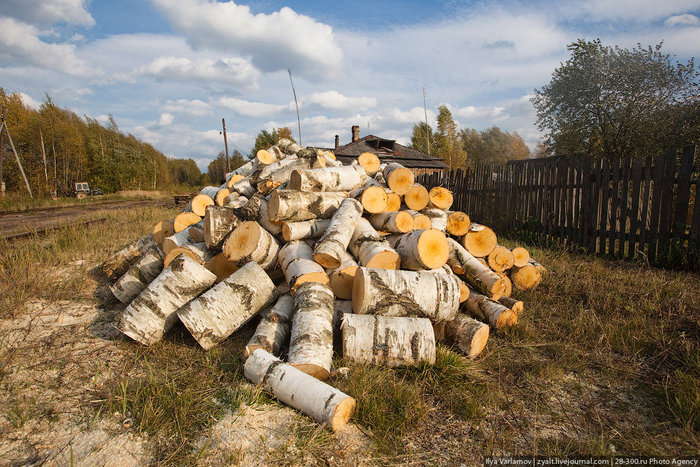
{"points": [[194, 107], [492, 113], [682, 20], [277, 41], [234, 71], [48, 12], [253, 109], [641, 10], [333, 100], [20, 44], [30, 101]]}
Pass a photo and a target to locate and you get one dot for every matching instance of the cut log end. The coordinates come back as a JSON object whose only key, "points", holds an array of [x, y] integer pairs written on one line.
{"points": [[233, 180], [433, 248], [342, 413], [500, 259], [479, 342], [458, 223], [175, 252], [318, 277], [184, 220], [200, 203], [393, 202], [526, 277], [265, 157], [374, 199], [386, 259], [417, 197], [463, 292], [520, 256], [222, 196], [440, 198], [310, 369], [422, 222], [400, 180], [369, 162], [162, 230], [341, 282], [480, 240]]}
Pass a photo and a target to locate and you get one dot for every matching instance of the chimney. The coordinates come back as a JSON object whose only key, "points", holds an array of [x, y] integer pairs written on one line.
{"points": [[355, 133], [337, 141]]}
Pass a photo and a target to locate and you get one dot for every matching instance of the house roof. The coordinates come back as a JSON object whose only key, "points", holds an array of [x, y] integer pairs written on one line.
{"points": [[388, 151]]}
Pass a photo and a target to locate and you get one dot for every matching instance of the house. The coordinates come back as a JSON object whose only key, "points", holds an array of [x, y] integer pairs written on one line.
{"points": [[388, 150]]}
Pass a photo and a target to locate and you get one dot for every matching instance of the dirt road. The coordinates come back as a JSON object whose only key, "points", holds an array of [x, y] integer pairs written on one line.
{"points": [[39, 220]]}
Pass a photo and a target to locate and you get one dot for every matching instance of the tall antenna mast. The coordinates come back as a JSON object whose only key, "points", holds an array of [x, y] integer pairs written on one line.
{"points": [[295, 103], [228, 166], [427, 128]]}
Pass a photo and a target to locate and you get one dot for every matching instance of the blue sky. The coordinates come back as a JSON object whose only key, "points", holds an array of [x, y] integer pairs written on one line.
{"points": [[169, 70]]}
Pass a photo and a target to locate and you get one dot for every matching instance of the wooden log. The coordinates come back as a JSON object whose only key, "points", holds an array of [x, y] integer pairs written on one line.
{"points": [[342, 178], [196, 232], [205, 198], [468, 334], [291, 205], [508, 289], [222, 197], [242, 171], [416, 198], [438, 218], [420, 221], [245, 188], [393, 201], [311, 339], [341, 278], [514, 304], [223, 309], [500, 259], [388, 340], [296, 260], [526, 277], [491, 312], [236, 201], [196, 251], [480, 240], [162, 230], [342, 307], [394, 222], [269, 156], [475, 273], [219, 221], [184, 220], [132, 283], [370, 162], [179, 239], [313, 228], [121, 260], [421, 249], [405, 293], [267, 171], [272, 333], [370, 249], [439, 330], [330, 248], [520, 256], [440, 198], [372, 198], [256, 209], [152, 313], [250, 242], [220, 265], [398, 178], [458, 223], [542, 270], [232, 181], [314, 398]]}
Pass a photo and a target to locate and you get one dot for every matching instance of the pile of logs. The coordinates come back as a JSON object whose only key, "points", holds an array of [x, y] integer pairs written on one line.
{"points": [[315, 251]]}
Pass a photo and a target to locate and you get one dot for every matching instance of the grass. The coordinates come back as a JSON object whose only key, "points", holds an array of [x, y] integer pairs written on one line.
{"points": [[13, 202]]}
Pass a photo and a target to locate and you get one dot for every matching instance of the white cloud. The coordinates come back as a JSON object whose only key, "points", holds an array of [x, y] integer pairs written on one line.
{"points": [[29, 101], [492, 113], [165, 119], [194, 107], [280, 40], [48, 12], [333, 100], [253, 109], [682, 20], [641, 10], [20, 44], [233, 71]]}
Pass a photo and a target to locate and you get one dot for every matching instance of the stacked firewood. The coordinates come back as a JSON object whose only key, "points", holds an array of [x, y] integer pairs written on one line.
{"points": [[315, 250]]}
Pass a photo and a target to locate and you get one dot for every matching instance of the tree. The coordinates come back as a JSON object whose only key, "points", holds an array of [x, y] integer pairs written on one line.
{"points": [[609, 101], [448, 146], [419, 140], [265, 139], [493, 145], [217, 169]]}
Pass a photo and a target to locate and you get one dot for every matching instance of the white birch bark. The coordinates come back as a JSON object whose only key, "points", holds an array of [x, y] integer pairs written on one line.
{"points": [[250, 242], [330, 248], [235, 201], [388, 340], [219, 221], [468, 334], [272, 333], [179, 239], [484, 309], [313, 228], [398, 178], [393, 221], [223, 309], [296, 260], [342, 178], [438, 218], [244, 187], [291, 205], [196, 251], [120, 261], [480, 277], [196, 232], [371, 249], [138, 276], [153, 312], [256, 210], [314, 398]]}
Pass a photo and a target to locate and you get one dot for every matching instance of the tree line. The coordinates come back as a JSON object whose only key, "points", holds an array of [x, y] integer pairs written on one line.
{"points": [[57, 148]]}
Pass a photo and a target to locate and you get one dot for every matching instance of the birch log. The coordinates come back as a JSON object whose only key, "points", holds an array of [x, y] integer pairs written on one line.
{"points": [[526, 277], [152, 313], [342, 178], [370, 249], [342, 277], [393, 201], [179, 239], [438, 218], [270, 155], [255, 209], [491, 312], [250, 242], [388, 340], [138, 276], [473, 271], [330, 248], [245, 188], [508, 289], [233, 180], [405, 293], [196, 232], [272, 333], [520, 256], [480, 240], [541, 269], [370, 162], [458, 223], [440, 198], [235, 201], [223, 309], [311, 340], [398, 178], [314, 398], [291, 205], [267, 171], [394, 222], [313, 228], [468, 334], [500, 259], [162, 230], [283, 174], [373, 198], [421, 249], [514, 304], [219, 221], [184, 220], [296, 260], [120, 261], [420, 221], [205, 198], [196, 251], [416, 198], [220, 265]]}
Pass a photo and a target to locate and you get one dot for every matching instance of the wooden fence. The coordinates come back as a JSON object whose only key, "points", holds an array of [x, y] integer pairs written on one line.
{"points": [[624, 208]]}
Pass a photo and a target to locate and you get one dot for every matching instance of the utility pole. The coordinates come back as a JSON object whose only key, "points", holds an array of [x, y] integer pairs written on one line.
{"points": [[43, 157], [295, 103], [427, 128], [228, 165], [3, 124]]}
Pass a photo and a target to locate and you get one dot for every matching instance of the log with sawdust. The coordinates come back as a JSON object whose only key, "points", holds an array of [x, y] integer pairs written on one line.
{"points": [[405, 293], [250, 242], [458, 223], [488, 311], [162, 230], [256, 209], [311, 339], [330, 248], [394, 222], [480, 240], [221, 310], [438, 218], [296, 259], [475, 273], [526, 277], [120, 261], [219, 221], [196, 251], [370, 249], [500, 259], [520, 256], [184, 220], [272, 332], [370, 162], [153, 312], [440, 198], [388, 340], [342, 178], [398, 178], [514, 304], [318, 400], [137, 278], [312, 228], [294, 206], [416, 198], [421, 249], [342, 278], [468, 334]]}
